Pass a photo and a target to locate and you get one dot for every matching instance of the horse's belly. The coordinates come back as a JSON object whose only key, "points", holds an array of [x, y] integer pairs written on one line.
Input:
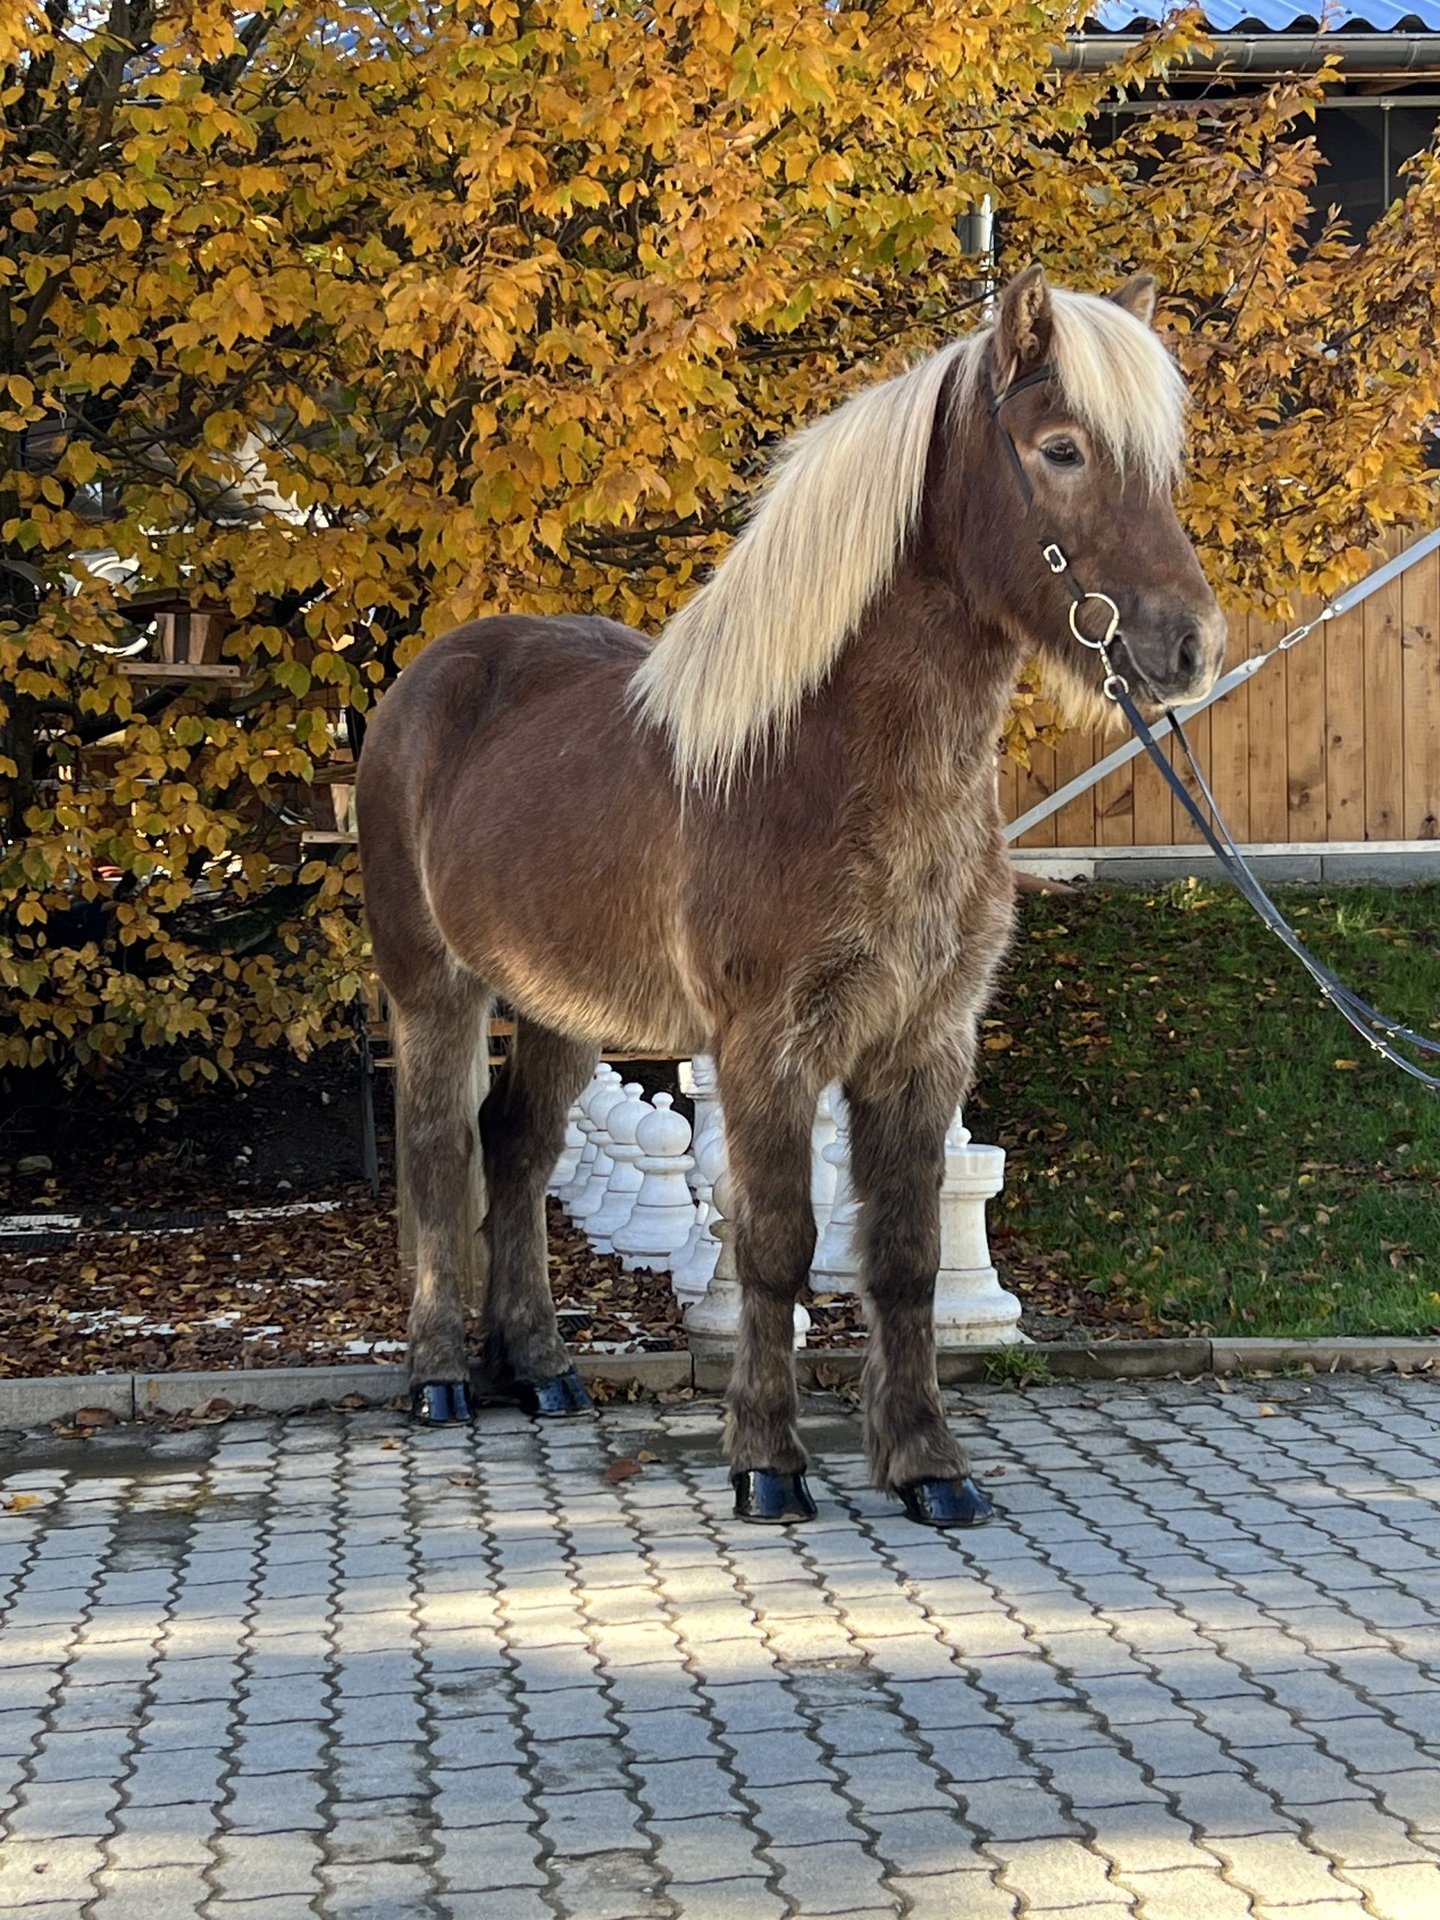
{"points": [[557, 897]]}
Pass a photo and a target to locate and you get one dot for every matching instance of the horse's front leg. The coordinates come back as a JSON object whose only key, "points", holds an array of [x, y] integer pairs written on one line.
{"points": [[768, 1125], [898, 1119]]}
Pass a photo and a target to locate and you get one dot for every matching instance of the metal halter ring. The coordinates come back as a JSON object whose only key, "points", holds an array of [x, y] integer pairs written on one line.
{"points": [[1115, 684], [1112, 626]]}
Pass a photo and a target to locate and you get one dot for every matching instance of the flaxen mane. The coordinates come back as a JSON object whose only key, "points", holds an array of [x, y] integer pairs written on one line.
{"points": [[733, 666]]}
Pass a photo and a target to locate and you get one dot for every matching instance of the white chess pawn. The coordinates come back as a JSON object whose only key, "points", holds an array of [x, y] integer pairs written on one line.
{"points": [[593, 1198], [694, 1265], [836, 1266], [822, 1170], [568, 1165], [575, 1191], [664, 1213], [713, 1322], [971, 1306], [614, 1210]]}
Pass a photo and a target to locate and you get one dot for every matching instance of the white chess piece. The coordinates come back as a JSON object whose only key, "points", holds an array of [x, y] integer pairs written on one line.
{"points": [[580, 1179], [836, 1266], [701, 1082], [822, 1169], [614, 1210], [663, 1213], [713, 1322], [971, 1306], [694, 1265], [568, 1165], [601, 1168]]}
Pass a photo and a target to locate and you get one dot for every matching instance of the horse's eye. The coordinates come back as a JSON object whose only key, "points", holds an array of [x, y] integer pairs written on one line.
{"points": [[1063, 453]]}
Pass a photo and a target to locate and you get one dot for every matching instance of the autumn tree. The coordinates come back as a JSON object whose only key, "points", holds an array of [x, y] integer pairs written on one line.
{"points": [[355, 321]]}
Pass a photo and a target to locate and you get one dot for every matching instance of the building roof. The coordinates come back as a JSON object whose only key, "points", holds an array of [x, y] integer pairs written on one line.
{"points": [[1277, 16]]}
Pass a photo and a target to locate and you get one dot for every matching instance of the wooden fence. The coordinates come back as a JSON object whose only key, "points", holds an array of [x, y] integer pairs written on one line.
{"points": [[1339, 739]]}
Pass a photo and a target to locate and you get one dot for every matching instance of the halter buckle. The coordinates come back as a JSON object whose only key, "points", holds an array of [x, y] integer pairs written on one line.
{"points": [[1112, 626], [1054, 558]]}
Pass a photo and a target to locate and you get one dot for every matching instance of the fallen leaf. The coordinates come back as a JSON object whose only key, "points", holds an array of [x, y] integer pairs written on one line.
{"points": [[95, 1417], [23, 1502], [619, 1470], [461, 1479], [646, 1459], [1264, 1411], [390, 1446]]}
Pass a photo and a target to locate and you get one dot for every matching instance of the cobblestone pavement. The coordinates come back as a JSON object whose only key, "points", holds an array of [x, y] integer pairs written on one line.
{"points": [[326, 1666]]}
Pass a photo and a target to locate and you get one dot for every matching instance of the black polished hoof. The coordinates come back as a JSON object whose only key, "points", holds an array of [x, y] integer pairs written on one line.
{"points": [[440, 1403], [561, 1395], [770, 1499], [946, 1503]]}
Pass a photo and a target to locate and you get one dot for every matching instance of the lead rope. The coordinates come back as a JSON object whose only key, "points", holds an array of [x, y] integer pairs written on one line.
{"points": [[1361, 1015]]}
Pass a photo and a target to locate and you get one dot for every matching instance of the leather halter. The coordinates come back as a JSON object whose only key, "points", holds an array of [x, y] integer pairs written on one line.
{"points": [[1361, 1015]]}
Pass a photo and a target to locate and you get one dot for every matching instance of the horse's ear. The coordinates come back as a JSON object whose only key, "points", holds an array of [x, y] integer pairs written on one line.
{"points": [[1137, 296], [1023, 330]]}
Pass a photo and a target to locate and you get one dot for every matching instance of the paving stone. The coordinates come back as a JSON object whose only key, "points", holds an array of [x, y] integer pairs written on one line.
{"points": [[728, 1900], [1187, 1893], [1278, 1867], [1399, 1893], [949, 1896], [620, 1885], [1054, 1873], [377, 1891], [36, 1872], [488, 1859], [707, 1849], [145, 1893], [264, 1803], [838, 1877], [262, 1866]]}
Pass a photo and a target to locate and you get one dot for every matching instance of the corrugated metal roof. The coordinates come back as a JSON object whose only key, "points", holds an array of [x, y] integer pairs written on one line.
{"points": [[1277, 16]]}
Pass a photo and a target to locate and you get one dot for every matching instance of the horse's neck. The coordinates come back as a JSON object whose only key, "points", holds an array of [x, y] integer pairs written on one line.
{"points": [[923, 689]]}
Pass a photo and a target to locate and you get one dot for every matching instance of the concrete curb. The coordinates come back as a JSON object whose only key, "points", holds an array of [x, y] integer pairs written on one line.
{"points": [[32, 1403]]}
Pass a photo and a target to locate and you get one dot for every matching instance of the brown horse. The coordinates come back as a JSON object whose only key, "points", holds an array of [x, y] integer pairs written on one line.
{"points": [[774, 836]]}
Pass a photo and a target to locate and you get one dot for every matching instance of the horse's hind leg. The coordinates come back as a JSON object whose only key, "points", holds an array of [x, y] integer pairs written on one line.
{"points": [[441, 1045], [898, 1121], [522, 1127], [768, 1125]]}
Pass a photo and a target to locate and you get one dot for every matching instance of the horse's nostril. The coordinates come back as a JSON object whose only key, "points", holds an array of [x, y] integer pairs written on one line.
{"points": [[1189, 657]]}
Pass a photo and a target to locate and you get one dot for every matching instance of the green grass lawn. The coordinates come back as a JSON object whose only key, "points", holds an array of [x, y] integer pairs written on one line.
{"points": [[1192, 1132]]}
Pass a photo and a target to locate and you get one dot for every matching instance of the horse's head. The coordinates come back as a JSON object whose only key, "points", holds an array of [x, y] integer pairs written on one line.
{"points": [[1071, 455]]}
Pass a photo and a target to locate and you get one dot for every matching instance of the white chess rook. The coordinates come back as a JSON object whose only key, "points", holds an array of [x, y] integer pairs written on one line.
{"points": [[663, 1213], [971, 1307]]}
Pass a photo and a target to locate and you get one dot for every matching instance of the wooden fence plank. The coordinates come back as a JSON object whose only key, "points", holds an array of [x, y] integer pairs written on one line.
{"points": [[1076, 752], [1382, 667], [1200, 734], [1266, 702], [1304, 747], [1229, 767], [1420, 674], [1032, 786], [1344, 727]]}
